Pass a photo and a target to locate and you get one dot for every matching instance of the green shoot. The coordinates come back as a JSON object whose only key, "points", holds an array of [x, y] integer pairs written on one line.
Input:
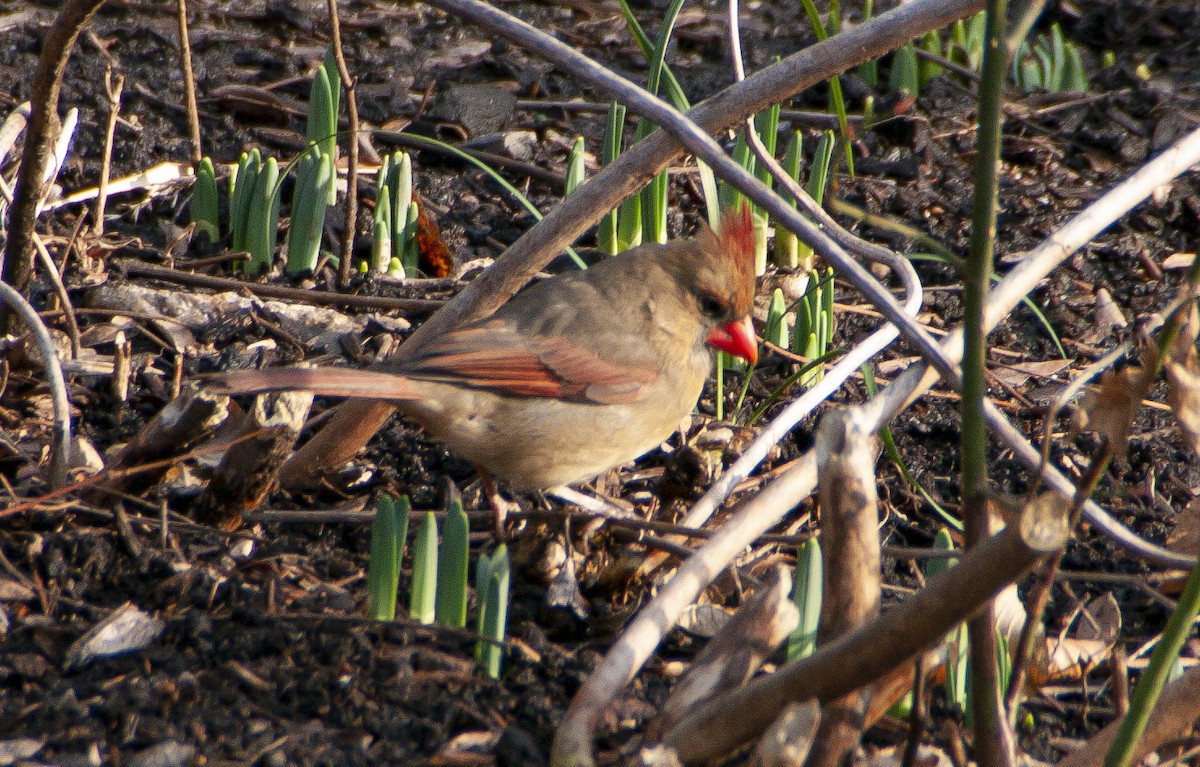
{"points": [[388, 534], [818, 182], [492, 576], [323, 102], [314, 177], [423, 600], [777, 330], [243, 181], [1051, 63], [930, 43], [807, 594], [607, 239], [787, 245], [835, 84], [204, 201], [868, 71], [956, 652], [396, 216], [814, 325], [262, 219], [905, 77], [575, 168], [452, 569]]}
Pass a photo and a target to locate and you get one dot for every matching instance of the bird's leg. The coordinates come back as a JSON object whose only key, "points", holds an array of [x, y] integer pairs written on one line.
{"points": [[500, 506]]}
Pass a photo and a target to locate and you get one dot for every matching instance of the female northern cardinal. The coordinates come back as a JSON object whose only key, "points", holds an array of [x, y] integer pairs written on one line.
{"points": [[574, 375]]}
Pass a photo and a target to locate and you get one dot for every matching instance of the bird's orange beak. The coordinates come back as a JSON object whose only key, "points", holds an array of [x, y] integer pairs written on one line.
{"points": [[736, 338]]}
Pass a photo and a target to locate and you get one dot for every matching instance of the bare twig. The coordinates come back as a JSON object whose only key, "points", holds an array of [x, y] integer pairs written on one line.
{"points": [[351, 205], [113, 88], [318, 297], [189, 82], [60, 446]]}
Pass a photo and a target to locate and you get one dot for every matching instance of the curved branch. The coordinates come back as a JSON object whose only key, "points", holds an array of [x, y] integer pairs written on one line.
{"points": [[60, 446]]}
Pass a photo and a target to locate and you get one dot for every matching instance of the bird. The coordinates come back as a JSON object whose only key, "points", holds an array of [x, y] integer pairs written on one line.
{"points": [[574, 375]]}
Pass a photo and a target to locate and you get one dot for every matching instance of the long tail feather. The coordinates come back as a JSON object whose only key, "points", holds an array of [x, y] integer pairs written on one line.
{"points": [[326, 382]]}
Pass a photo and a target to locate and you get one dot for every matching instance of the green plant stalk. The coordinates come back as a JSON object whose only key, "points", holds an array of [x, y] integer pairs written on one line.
{"points": [[654, 196], [776, 330], [494, 610], [930, 43], [985, 693], [388, 533], [403, 220], [483, 577], [452, 568], [806, 594], [606, 235], [381, 247], [787, 245], [204, 207], [818, 182], [629, 222], [1179, 627], [575, 169], [868, 71], [423, 601], [789, 381], [719, 392], [835, 84], [329, 64], [321, 126], [412, 253], [244, 180], [504, 184], [905, 76], [381, 250], [263, 218], [675, 94], [314, 174]]}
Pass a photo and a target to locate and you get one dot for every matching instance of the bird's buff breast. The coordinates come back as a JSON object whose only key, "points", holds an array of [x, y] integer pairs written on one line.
{"points": [[536, 443]]}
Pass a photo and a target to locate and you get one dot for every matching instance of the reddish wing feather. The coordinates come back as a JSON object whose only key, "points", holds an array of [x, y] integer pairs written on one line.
{"points": [[495, 356]]}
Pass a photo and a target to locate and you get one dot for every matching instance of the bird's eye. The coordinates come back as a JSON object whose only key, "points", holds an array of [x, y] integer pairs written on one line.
{"points": [[712, 305]]}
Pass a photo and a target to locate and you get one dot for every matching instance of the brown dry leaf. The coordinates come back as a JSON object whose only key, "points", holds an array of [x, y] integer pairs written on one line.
{"points": [[1185, 537], [1016, 375], [1109, 410], [1182, 369], [1094, 632], [436, 259]]}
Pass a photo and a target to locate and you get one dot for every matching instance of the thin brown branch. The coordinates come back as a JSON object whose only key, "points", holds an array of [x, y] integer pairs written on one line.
{"points": [[351, 204], [189, 82], [317, 297], [113, 90], [17, 266]]}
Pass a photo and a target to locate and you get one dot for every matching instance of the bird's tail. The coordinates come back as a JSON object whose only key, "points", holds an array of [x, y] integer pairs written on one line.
{"points": [[326, 382]]}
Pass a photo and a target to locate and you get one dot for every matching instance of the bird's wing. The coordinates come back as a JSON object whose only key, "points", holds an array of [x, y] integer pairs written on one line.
{"points": [[493, 355]]}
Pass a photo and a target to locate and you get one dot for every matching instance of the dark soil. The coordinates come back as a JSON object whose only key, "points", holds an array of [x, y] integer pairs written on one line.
{"points": [[265, 656]]}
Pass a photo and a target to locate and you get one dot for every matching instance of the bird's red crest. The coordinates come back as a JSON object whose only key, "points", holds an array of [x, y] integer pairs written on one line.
{"points": [[737, 239]]}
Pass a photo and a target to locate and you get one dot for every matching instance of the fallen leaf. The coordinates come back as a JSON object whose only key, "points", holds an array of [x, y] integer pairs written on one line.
{"points": [[1109, 410]]}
